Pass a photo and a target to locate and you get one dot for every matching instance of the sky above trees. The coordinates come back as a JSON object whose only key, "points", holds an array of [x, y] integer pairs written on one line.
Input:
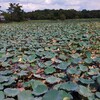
{"points": [[29, 5]]}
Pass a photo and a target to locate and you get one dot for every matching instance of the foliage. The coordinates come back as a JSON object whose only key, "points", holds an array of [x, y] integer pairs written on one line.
{"points": [[15, 12]]}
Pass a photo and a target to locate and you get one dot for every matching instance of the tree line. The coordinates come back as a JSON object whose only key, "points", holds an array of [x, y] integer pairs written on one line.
{"points": [[15, 13]]}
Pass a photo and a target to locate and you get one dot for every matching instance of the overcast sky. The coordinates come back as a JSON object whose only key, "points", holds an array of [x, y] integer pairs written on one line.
{"points": [[30, 5]]}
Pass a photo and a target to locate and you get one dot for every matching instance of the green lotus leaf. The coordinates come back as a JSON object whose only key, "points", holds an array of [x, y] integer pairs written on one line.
{"points": [[35, 83], [38, 98], [86, 81], [98, 94], [39, 76], [52, 95], [49, 54], [39, 90], [3, 79], [88, 60], [76, 55], [25, 95], [63, 65], [48, 63], [86, 92], [69, 86], [98, 80], [56, 87], [62, 57], [83, 68], [22, 73], [1, 95], [52, 80], [12, 92], [41, 65], [88, 54], [49, 70], [9, 99], [65, 95], [76, 60], [23, 66], [6, 72], [93, 71], [73, 70], [9, 82], [31, 58], [1, 87]]}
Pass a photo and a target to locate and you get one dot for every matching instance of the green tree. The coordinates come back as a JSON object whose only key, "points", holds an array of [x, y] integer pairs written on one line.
{"points": [[16, 12]]}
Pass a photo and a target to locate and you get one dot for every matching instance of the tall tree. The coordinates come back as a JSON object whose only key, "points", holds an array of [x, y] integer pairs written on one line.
{"points": [[16, 12]]}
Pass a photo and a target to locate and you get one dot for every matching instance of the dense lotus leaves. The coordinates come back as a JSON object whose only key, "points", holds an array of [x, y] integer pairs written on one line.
{"points": [[11, 92], [65, 52], [69, 86], [86, 92], [25, 95], [52, 95], [39, 90], [52, 80]]}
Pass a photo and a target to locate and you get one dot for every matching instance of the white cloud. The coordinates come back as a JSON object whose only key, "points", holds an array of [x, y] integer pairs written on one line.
{"points": [[29, 5], [4, 6]]}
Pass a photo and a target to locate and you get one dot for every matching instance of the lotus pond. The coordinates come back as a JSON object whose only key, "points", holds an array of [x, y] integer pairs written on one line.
{"points": [[43, 60]]}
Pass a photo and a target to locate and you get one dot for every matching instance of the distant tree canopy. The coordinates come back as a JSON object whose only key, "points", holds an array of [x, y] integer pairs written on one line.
{"points": [[15, 13], [62, 14]]}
